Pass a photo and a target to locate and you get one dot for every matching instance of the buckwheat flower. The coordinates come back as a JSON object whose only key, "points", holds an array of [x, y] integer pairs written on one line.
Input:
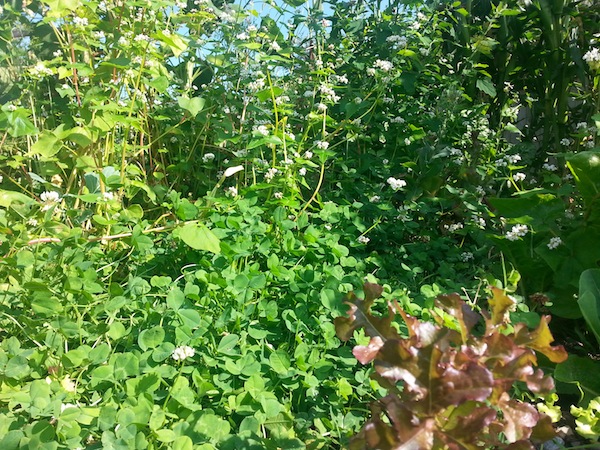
{"points": [[363, 239], [395, 183], [32, 222], [302, 171], [274, 46], [592, 57], [386, 66], [453, 227], [554, 243], [141, 37], [308, 154], [323, 145], [278, 195], [208, 157], [517, 232], [231, 191], [549, 167], [519, 176], [80, 21], [321, 107], [108, 196], [262, 129], [565, 141], [581, 126], [271, 174], [371, 72], [407, 141], [375, 199], [385, 161], [1, 178], [357, 100], [58, 53], [183, 352], [466, 256], [513, 159]]}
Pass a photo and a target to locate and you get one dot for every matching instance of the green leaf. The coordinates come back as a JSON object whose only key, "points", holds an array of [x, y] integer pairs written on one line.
{"points": [[228, 345], [60, 7], [580, 371], [151, 338], [280, 362], [46, 146], [487, 86], [589, 299], [199, 237], [193, 105], [8, 197], [17, 368]]}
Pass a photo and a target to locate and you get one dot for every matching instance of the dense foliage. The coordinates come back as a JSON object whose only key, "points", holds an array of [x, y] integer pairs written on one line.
{"points": [[188, 190]]}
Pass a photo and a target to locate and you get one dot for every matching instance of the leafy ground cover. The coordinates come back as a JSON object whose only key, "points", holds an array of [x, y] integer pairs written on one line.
{"points": [[189, 189]]}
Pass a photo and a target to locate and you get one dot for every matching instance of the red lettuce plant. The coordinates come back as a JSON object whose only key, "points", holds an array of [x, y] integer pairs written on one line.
{"points": [[449, 387]]}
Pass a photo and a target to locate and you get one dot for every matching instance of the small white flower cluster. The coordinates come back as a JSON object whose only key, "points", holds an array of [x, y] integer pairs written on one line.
{"points": [[375, 199], [549, 167], [395, 183], [554, 243], [274, 46], [340, 79], [231, 191], [141, 37], [328, 94], [466, 256], [302, 171], [396, 39], [518, 231], [278, 195], [565, 141], [242, 36], [519, 176], [508, 159], [397, 119], [323, 145], [108, 196], [453, 227], [80, 21], [271, 174], [321, 107], [363, 239], [261, 129], [183, 352], [208, 157], [257, 84], [50, 198], [386, 66], [308, 154], [40, 70], [592, 57]]}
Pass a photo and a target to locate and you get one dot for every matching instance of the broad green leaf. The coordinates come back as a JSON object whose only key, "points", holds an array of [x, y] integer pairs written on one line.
{"points": [[8, 197], [193, 105], [280, 362], [199, 237], [151, 338], [581, 371], [60, 7], [46, 146], [228, 345], [589, 299], [486, 85]]}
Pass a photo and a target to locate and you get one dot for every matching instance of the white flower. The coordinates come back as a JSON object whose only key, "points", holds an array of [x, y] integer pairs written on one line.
{"points": [[278, 195], [302, 171], [375, 199], [513, 159], [208, 157], [363, 239], [50, 196], [275, 46], [519, 176], [321, 107], [183, 352], [270, 174], [231, 191], [32, 222], [64, 406], [466, 256], [386, 66], [592, 57], [565, 141], [395, 183], [108, 196], [242, 36], [454, 227], [550, 167], [68, 384], [141, 37], [80, 21], [323, 145], [371, 72], [308, 154], [516, 232], [262, 129], [554, 243]]}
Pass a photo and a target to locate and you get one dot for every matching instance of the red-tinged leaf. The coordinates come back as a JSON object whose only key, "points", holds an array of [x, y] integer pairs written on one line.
{"points": [[540, 340], [501, 304], [470, 382], [366, 353], [538, 383], [519, 418], [422, 333], [471, 424], [455, 306], [359, 316], [372, 292]]}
